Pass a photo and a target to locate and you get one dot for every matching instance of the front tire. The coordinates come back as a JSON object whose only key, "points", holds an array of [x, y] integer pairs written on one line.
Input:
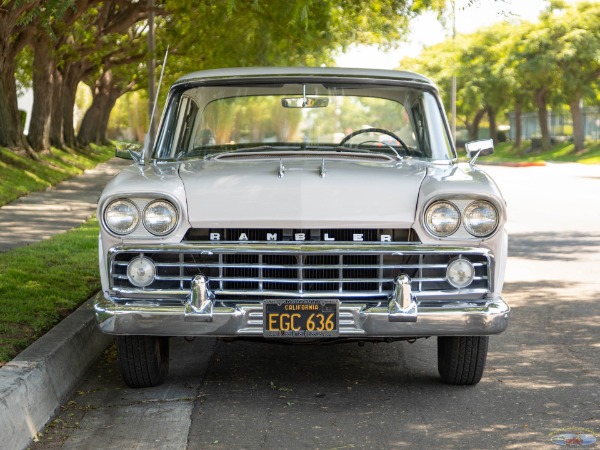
{"points": [[461, 359], [144, 360]]}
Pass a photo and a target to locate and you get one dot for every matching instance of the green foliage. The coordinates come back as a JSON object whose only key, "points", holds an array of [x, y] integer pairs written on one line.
{"points": [[21, 175], [578, 50], [555, 61], [130, 113], [42, 283], [45, 12], [206, 35], [563, 152], [24, 70]]}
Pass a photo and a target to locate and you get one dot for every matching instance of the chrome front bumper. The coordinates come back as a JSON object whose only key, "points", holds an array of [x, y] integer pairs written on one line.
{"points": [[402, 316]]}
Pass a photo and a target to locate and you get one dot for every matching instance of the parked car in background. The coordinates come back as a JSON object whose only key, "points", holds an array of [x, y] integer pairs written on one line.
{"points": [[308, 205]]}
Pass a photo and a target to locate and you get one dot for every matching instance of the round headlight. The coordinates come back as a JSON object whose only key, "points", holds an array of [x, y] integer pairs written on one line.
{"points": [[121, 217], [160, 217], [460, 273], [480, 218], [442, 218], [141, 271]]}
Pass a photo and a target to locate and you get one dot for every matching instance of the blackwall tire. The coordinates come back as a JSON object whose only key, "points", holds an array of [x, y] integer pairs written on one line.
{"points": [[144, 360], [461, 359]]}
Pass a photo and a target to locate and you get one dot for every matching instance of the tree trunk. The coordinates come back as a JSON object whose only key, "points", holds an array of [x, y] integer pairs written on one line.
{"points": [[95, 122], [491, 113], [43, 73], [11, 134], [474, 127], [115, 93], [57, 138], [89, 124], [578, 128], [540, 101], [72, 73], [518, 125], [72, 76]]}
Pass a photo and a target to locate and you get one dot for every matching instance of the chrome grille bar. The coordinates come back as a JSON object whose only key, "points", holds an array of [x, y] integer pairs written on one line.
{"points": [[262, 266]]}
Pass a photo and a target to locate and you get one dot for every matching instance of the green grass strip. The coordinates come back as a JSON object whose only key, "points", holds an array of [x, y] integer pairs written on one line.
{"points": [[43, 283], [21, 175], [563, 152]]}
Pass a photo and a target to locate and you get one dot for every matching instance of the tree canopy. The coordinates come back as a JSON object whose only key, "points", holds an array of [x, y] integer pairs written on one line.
{"points": [[53, 45], [521, 67]]}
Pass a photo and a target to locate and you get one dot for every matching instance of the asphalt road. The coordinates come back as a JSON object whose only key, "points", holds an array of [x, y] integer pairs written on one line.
{"points": [[542, 378]]}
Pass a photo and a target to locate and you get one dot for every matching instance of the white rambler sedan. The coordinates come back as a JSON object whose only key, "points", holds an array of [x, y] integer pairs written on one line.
{"points": [[302, 204]]}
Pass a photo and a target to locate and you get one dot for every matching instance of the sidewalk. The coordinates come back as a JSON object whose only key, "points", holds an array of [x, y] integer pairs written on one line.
{"points": [[38, 380], [41, 215]]}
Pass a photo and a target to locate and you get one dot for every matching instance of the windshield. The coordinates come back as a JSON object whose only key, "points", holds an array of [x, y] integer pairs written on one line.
{"points": [[213, 121]]}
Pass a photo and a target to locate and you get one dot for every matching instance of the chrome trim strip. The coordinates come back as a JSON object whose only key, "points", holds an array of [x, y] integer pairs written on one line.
{"points": [[292, 266], [126, 295], [282, 247]]}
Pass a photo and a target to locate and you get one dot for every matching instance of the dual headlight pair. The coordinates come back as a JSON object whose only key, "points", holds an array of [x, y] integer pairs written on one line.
{"points": [[123, 216], [480, 218]]}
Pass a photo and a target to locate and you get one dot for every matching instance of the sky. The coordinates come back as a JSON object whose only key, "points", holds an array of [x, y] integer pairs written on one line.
{"points": [[426, 30]]}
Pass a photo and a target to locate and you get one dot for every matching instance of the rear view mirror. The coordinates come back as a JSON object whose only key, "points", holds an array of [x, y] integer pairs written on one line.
{"points": [[305, 102]]}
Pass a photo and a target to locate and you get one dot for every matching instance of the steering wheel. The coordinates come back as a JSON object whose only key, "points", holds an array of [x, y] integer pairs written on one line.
{"points": [[374, 130]]}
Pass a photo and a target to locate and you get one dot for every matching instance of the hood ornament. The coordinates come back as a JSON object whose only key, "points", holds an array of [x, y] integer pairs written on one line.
{"points": [[281, 171], [322, 172]]}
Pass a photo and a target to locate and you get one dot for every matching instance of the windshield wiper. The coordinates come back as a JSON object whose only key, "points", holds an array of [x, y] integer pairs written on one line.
{"points": [[210, 152], [257, 148]]}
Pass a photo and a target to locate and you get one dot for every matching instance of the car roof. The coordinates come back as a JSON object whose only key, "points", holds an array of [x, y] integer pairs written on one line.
{"points": [[274, 72]]}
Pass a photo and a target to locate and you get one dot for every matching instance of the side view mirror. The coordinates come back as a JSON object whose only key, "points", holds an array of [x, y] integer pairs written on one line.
{"points": [[482, 147], [127, 151]]}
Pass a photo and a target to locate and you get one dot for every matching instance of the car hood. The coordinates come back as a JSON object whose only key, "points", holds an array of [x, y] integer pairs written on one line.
{"points": [[310, 193]]}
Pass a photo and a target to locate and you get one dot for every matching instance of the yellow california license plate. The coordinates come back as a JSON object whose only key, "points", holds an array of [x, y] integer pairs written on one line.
{"points": [[301, 318]]}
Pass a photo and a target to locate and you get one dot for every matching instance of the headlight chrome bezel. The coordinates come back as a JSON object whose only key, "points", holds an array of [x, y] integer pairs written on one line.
{"points": [[428, 215], [172, 223], [142, 204], [135, 216], [466, 229], [467, 219]]}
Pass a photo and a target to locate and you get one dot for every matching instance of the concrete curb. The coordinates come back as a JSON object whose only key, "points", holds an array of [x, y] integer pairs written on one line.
{"points": [[38, 380]]}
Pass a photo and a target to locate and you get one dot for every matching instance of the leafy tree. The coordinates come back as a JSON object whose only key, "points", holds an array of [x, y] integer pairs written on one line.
{"points": [[15, 29], [578, 59], [46, 36], [516, 92], [101, 42], [553, 62], [109, 34], [117, 74], [206, 35]]}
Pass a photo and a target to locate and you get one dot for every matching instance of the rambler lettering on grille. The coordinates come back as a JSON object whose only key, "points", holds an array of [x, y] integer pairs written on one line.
{"points": [[301, 235], [356, 237]]}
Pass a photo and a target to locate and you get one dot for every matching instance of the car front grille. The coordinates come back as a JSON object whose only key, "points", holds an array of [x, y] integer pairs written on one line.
{"points": [[256, 271]]}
